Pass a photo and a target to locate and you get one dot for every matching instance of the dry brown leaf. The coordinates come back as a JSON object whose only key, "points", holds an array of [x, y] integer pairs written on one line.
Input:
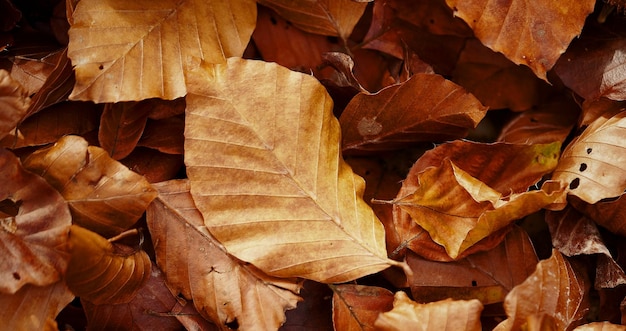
{"points": [[531, 33], [102, 273], [32, 72], [14, 103], [135, 50], [34, 307], [57, 86], [325, 17], [104, 196], [222, 288], [446, 315], [592, 164], [356, 307], [314, 311], [153, 165], [34, 227], [601, 326], [170, 143], [121, 126], [608, 214], [300, 212], [553, 289]]}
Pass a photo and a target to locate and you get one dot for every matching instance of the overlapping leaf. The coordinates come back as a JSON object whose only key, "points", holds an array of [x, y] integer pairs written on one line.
{"points": [[103, 194], [273, 188], [121, 127], [135, 50], [223, 288], [14, 103], [531, 33], [356, 307]]}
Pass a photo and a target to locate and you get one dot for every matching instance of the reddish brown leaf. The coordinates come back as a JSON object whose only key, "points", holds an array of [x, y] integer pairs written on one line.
{"points": [[170, 143], [121, 126], [534, 34], [153, 165], [10, 15], [103, 194], [427, 107], [31, 73], [356, 307], [14, 102], [603, 107], [553, 289], [609, 214], [34, 228], [446, 315], [314, 312], [57, 86]]}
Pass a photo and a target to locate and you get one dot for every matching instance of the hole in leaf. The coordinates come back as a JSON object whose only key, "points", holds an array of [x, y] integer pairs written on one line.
{"points": [[10, 207], [583, 167], [589, 150], [574, 184], [474, 284], [17, 276], [233, 324], [101, 67]]}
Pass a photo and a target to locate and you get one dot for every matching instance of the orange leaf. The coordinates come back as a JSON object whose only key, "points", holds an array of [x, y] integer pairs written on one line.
{"points": [[135, 50], [102, 193], [446, 315], [280, 139], [34, 227], [102, 273], [427, 107], [356, 307], [222, 288], [531, 33], [14, 103], [553, 289]]}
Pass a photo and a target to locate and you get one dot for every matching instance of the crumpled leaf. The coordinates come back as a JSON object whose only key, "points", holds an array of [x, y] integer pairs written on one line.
{"points": [[553, 289], [135, 50], [458, 210], [531, 33], [592, 164], [34, 307], [427, 107], [34, 227], [103, 195], [325, 17], [294, 175], [356, 307], [121, 126], [14, 103], [445, 315], [102, 273], [222, 288]]}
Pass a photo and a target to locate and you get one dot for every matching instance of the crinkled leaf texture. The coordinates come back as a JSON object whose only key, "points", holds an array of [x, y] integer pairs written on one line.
{"points": [[445, 315], [223, 288], [262, 151], [34, 227], [134, 50]]}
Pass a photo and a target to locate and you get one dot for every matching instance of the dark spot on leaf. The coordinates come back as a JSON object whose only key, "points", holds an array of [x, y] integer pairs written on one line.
{"points": [[474, 284], [589, 150], [17, 276], [234, 325], [332, 39], [101, 67], [574, 184], [273, 20], [583, 167]]}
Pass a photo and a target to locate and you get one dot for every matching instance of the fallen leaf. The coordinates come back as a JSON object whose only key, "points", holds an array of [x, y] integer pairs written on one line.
{"points": [[34, 227], [534, 34], [314, 311], [121, 127], [223, 289], [153, 165], [294, 174], [445, 315], [356, 307], [608, 214], [32, 72], [126, 59], [600, 326], [103, 195], [14, 102], [594, 109], [102, 273], [553, 289], [427, 107]]}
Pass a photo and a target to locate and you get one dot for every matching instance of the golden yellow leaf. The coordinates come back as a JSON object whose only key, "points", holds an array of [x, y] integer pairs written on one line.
{"points": [[262, 151], [134, 50]]}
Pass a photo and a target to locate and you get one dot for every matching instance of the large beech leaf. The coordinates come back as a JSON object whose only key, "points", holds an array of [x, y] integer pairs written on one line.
{"points": [[135, 50], [14, 103], [592, 164], [196, 265], [104, 196], [262, 151], [102, 273], [531, 33], [427, 107], [445, 315], [553, 289], [458, 210], [326, 17], [356, 307], [34, 227]]}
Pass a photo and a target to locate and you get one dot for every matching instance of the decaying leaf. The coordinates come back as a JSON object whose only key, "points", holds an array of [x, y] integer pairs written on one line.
{"points": [[445, 315], [222, 288], [356, 307], [104, 196], [14, 103], [34, 227], [300, 212], [135, 50], [102, 273], [553, 289]]}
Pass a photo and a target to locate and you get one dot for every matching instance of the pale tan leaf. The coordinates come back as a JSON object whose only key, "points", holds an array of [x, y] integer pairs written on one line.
{"points": [[104, 196], [14, 103], [134, 50], [601, 326], [263, 155], [222, 288], [445, 315]]}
